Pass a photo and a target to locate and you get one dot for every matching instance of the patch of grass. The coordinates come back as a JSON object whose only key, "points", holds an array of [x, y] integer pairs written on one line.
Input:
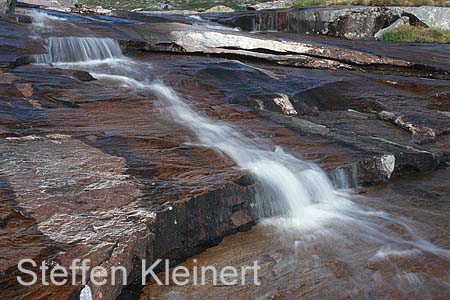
{"points": [[307, 3], [417, 34]]}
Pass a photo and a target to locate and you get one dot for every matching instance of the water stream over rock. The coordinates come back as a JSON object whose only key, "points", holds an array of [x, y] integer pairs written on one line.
{"points": [[287, 184]]}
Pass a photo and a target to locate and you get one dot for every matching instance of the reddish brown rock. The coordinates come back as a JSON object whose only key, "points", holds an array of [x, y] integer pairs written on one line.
{"points": [[421, 134], [239, 219], [7, 78], [25, 88]]}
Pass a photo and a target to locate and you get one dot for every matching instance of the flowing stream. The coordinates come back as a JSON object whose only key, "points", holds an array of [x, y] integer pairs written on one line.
{"points": [[286, 184], [300, 190]]}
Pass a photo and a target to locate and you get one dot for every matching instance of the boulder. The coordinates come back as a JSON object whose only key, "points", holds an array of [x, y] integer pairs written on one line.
{"points": [[290, 51], [59, 4], [183, 38], [350, 23], [285, 104], [55, 4]]}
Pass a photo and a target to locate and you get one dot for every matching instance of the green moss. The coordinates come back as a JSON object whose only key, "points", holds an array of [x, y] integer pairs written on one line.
{"points": [[411, 34]]}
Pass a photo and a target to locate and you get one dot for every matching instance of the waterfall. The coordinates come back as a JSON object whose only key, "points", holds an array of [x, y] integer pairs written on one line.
{"points": [[78, 49], [286, 183], [70, 49]]}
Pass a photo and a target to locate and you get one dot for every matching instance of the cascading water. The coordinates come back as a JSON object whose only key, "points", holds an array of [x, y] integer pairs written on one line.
{"points": [[79, 49], [299, 189], [70, 49], [286, 183]]}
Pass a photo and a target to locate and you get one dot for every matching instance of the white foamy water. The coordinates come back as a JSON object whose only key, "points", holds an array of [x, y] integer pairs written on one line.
{"points": [[79, 49], [299, 189], [287, 183], [71, 49]]}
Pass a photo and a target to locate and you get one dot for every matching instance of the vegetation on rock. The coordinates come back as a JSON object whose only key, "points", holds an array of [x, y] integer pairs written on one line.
{"points": [[417, 34]]}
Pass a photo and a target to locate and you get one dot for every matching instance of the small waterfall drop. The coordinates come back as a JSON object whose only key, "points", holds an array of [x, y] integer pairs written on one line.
{"points": [[70, 49], [79, 49]]}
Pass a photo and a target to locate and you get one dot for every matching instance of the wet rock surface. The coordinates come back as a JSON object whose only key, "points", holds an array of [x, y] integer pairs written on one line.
{"points": [[92, 169]]}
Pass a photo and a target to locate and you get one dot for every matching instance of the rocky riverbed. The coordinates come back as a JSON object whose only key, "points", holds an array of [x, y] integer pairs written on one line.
{"points": [[95, 166]]}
